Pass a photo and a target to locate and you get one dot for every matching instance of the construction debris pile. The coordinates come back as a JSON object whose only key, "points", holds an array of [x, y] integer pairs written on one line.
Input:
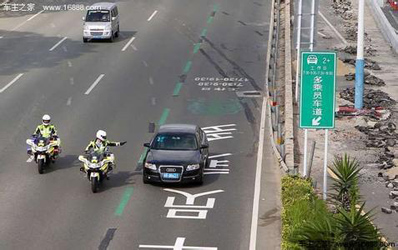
{"points": [[369, 79], [352, 50], [344, 9], [372, 98], [369, 64]]}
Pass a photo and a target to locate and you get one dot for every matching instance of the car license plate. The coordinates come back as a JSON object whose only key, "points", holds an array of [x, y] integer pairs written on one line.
{"points": [[171, 176]]}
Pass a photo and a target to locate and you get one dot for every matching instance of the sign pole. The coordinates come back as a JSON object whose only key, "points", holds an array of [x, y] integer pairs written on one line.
{"points": [[311, 49], [305, 152], [325, 166]]}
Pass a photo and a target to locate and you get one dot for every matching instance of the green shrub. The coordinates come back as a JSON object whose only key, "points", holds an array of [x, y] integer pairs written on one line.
{"points": [[300, 207], [308, 224]]}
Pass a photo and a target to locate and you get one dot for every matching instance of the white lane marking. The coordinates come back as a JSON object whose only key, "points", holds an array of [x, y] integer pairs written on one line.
{"points": [[208, 173], [1, 37], [11, 83], [134, 48], [94, 84], [257, 182], [35, 15], [64, 48], [58, 43], [69, 64], [151, 81], [320, 33], [333, 28], [153, 14], [19, 25], [218, 156], [179, 245], [69, 102], [145, 63], [128, 43], [153, 101], [215, 170], [71, 81], [30, 159]]}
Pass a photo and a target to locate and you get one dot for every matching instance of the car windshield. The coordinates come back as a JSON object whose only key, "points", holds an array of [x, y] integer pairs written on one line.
{"points": [[174, 142], [98, 16]]}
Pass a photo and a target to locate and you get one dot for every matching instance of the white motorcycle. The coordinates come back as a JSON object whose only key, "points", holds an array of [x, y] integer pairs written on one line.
{"points": [[43, 150], [96, 166]]}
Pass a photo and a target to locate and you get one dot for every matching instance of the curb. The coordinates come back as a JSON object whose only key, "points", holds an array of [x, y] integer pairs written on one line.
{"points": [[386, 29], [289, 120]]}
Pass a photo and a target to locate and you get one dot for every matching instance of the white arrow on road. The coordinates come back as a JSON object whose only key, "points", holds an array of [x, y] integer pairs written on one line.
{"points": [[315, 121]]}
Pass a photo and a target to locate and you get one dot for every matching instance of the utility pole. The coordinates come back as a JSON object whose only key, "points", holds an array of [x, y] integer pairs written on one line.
{"points": [[359, 66]]}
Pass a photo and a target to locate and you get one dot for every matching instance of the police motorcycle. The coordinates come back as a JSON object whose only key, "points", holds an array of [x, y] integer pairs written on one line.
{"points": [[96, 166], [43, 150]]}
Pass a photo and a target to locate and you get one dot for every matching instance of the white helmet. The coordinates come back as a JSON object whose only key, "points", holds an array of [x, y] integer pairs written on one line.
{"points": [[46, 119], [101, 135]]}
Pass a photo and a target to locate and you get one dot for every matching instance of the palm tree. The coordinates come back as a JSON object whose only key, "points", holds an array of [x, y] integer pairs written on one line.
{"points": [[346, 192], [355, 229]]}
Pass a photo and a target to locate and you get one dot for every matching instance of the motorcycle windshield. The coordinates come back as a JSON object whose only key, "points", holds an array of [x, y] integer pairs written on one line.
{"points": [[96, 156], [42, 140]]}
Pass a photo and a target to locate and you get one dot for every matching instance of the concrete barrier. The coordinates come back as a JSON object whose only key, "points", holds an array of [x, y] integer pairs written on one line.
{"points": [[386, 29]]}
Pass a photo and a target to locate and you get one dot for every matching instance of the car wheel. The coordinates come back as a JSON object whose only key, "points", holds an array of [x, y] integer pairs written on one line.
{"points": [[145, 179], [111, 38], [85, 40], [199, 181], [117, 32]]}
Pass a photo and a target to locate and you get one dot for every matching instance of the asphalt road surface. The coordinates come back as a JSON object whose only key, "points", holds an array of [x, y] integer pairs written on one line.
{"points": [[174, 62]]}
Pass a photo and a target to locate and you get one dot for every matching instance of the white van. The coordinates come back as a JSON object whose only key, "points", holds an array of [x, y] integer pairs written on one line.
{"points": [[101, 22]]}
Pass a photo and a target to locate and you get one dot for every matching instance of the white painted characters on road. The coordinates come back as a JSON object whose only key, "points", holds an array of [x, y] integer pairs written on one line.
{"points": [[178, 245], [219, 132], [218, 166], [189, 210]]}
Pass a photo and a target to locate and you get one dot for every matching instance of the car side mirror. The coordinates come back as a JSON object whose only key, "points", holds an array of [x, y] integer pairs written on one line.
{"points": [[84, 18], [113, 18], [204, 146], [147, 145]]}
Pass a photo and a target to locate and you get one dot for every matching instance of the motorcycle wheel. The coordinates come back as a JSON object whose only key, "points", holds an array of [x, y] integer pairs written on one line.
{"points": [[40, 166], [94, 185]]}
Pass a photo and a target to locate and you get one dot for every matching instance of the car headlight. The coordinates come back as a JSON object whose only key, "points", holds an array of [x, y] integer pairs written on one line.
{"points": [[192, 167], [150, 166]]}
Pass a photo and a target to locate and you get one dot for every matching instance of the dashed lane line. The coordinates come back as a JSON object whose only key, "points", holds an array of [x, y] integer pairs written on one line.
{"points": [[128, 43], [125, 200], [94, 84], [11, 83], [153, 14], [29, 19], [57, 44]]}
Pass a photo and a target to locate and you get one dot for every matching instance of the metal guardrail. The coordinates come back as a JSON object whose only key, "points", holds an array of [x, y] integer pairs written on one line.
{"points": [[274, 107]]}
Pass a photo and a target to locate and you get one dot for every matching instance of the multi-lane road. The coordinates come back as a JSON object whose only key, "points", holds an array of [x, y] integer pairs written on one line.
{"points": [[175, 61]]}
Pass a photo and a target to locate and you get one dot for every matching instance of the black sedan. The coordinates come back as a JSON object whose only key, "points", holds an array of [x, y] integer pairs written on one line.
{"points": [[177, 153]]}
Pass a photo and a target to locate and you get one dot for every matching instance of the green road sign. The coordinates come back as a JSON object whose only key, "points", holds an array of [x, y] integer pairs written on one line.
{"points": [[318, 84]]}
